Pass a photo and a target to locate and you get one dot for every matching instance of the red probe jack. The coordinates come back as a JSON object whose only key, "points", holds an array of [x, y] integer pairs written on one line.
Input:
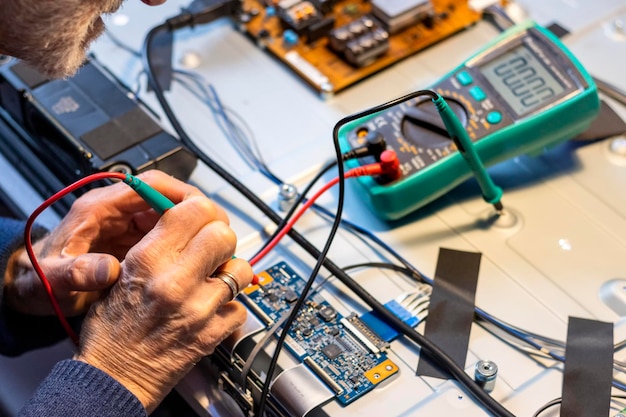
{"points": [[389, 166]]}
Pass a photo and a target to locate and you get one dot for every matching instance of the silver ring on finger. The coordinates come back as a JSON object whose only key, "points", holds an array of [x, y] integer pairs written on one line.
{"points": [[230, 280]]}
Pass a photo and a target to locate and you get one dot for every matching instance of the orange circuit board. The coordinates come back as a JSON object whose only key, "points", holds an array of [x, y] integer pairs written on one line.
{"points": [[333, 44]]}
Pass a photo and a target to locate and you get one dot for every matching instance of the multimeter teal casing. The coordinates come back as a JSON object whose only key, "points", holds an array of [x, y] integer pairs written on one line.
{"points": [[522, 93]]}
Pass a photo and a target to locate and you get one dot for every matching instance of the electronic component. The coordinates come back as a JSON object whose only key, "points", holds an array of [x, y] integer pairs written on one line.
{"points": [[287, 195], [325, 6], [298, 15], [379, 326], [411, 308], [340, 37], [360, 330], [485, 373], [327, 313], [359, 42], [332, 351], [86, 124], [396, 15], [320, 29], [340, 42], [343, 352], [522, 93], [367, 48]]}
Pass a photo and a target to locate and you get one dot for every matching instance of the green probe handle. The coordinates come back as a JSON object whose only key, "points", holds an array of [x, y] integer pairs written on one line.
{"points": [[155, 199], [492, 194]]}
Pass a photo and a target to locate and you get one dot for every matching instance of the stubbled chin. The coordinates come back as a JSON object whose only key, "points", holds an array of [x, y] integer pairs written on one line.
{"points": [[94, 31], [57, 52], [64, 62]]}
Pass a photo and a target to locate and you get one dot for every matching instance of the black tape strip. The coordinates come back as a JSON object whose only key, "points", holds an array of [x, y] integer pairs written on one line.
{"points": [[588, 369], [558, 30], [451, 310]]}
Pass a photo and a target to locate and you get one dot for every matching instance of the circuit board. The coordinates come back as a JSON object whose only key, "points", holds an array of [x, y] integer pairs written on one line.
{"points": [[333, 44], [342, 351]]}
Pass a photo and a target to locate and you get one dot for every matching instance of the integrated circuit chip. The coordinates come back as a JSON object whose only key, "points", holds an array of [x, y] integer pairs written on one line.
{"points": [[331, 351]]}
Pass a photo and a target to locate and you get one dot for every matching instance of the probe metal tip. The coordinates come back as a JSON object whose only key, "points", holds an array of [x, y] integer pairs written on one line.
{"points": [[499, 207]]}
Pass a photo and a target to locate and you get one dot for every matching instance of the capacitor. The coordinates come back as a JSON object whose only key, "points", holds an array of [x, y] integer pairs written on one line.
{"points": [[290, 38], [270, 11], [485, 374]]}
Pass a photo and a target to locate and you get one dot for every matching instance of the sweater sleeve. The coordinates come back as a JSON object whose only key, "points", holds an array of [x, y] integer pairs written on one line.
{"points": [[76, 389], [22, 332]]}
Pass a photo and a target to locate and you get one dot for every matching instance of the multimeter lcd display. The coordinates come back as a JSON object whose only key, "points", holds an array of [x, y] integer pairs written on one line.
{"points": [[522, 80]]}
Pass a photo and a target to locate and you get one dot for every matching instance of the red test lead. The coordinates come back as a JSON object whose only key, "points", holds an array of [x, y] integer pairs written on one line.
{"points": [[389, 166]]}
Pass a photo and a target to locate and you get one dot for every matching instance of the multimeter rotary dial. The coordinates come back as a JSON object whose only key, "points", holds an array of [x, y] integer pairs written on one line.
{"points": [[415, 131], [422, 125]]}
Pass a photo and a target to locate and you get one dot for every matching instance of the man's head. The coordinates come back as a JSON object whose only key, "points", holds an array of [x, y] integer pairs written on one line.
{"points": [[53, 35]]}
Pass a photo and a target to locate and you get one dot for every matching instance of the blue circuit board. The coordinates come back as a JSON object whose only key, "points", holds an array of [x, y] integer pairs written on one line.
{"points": [[342, 351]]}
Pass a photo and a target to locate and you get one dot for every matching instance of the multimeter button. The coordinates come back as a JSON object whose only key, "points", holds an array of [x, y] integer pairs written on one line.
{"points": [[477, 93], [494, 117], [464, 78]]}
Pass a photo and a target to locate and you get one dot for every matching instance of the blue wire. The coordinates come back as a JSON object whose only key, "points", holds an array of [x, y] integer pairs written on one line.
{"points": [[236, 134]]}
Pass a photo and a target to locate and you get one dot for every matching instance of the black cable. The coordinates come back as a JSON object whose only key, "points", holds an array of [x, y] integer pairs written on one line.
{"points": [[556, 401], [605, 87], [386, 265], [436, 353], [296, 203], [296, 308], [610, 90], [547, 405], [375, 150], [252, 197]]}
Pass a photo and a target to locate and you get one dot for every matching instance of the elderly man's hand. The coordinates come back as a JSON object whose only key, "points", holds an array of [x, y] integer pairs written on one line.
{"points": [[166, 312], [81, 257]]}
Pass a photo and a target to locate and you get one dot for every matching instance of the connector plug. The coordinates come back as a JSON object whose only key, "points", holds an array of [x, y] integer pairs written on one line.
{"points": [[204, 11], [388, 167], [375, 146]]}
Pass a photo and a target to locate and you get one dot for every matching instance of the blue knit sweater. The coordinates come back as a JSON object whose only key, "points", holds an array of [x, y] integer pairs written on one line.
{"points": [[73, 388]]}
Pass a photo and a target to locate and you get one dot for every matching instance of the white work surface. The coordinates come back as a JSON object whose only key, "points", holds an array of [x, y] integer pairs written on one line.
{"points": [[559, 257]]}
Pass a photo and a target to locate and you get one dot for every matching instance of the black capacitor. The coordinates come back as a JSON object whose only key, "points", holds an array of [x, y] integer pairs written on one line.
{"points": [[324, 6], [341, 36], [320, 29], [327, 313], [365, 49]]}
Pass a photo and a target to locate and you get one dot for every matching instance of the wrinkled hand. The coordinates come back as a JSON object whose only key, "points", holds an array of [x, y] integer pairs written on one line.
{"points": [[164, 314], [81, 256]]}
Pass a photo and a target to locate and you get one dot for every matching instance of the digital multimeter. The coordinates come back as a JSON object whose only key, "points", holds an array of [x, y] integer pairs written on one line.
{"points": [[521, 93]]}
